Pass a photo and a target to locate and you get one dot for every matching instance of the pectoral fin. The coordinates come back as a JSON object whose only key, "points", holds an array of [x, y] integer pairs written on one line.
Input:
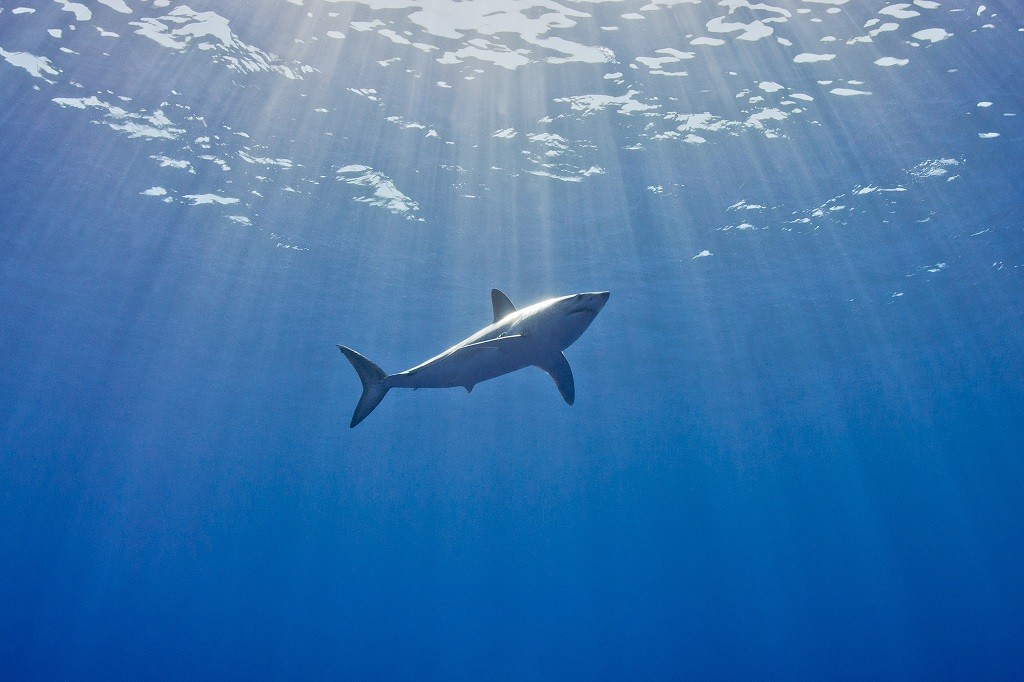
{"points": [[561, 373]]}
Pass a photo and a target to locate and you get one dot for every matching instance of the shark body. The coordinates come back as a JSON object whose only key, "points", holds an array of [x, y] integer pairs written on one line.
{"points": [[532, 336]]}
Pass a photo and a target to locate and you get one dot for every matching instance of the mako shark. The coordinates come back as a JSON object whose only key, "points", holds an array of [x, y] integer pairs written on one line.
{"points": [[535, 335]]}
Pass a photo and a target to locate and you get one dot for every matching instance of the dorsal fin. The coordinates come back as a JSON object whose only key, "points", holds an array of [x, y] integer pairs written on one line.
{"points": [[502, 306]]}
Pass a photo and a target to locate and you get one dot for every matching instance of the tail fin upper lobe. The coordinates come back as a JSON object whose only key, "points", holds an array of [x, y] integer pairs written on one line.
{"points": [[372, 377]]}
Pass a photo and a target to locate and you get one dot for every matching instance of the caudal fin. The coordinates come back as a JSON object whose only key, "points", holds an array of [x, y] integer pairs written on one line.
{"points": [[372, 377]]}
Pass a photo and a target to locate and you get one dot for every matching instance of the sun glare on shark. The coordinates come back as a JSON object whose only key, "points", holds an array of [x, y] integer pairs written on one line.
{"points": [[532, 336]]}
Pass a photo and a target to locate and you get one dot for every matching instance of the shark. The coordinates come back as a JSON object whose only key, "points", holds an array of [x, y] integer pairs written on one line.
{"points": [[534, 336]]}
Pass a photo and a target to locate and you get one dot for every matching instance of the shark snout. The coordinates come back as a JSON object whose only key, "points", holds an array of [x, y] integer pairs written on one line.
{"points": [[597, 299], [591, 302]]}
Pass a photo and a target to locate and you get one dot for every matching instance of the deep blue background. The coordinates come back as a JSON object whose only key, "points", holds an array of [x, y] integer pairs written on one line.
{"points": [[774, 467]]}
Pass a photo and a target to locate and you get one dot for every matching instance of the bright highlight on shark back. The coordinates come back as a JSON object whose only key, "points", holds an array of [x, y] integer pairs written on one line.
{"points": [[532, 336]]}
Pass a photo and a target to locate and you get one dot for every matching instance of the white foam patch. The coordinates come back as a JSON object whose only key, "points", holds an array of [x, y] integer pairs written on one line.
{"points": [[556, 157], [884, 28], [35, 66], [486, 51], [706, 122], [810, 58], [671, 56], [891, 61], [870, 189], [899, 11], [265, 161], [770, 86], [154, 192], [932, 35], [81, 12], [759, 119], [569, 177], [553, 140], [385, 193], [167, 162], [183, 27], [591, 104], [663, 4], [150, 126], [220, 162], [703, 254], [364, 26], [198, 199], [22, 10], [987, 136], [117, 6], [933, 168], [240, 219], [368, 93], [488, 21], [707, 41], [984, 105], [848, 92], [755, 30]]}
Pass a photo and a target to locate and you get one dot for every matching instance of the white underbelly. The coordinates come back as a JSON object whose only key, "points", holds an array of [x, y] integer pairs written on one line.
{"points": [[462, 369]]}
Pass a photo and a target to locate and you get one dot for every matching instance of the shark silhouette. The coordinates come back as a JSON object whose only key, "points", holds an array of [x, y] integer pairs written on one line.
{"points": [[535, 335]]}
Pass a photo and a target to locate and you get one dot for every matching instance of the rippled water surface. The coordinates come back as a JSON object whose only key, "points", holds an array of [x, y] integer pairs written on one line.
{"points": [[797, 447]]}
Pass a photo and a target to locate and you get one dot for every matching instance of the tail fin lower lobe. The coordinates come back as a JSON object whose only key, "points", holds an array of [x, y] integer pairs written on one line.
{"points": [[372, 378]]}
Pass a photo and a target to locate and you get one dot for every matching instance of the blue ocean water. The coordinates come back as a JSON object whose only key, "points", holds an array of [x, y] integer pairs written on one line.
{"points": [[797, 448]]}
